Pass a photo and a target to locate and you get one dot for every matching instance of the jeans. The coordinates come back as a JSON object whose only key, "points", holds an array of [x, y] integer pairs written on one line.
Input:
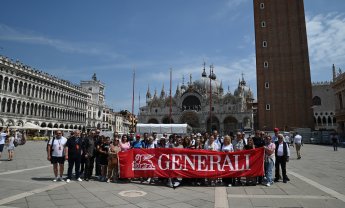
{"points": [[89, 167], [71, 162], [280, 161], [269, 164]]}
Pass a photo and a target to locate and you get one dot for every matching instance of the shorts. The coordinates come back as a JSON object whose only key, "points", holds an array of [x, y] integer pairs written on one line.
{"points": [[60, 160], [2, 147]]}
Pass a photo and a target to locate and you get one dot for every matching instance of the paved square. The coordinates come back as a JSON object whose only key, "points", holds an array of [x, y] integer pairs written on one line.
{"points": [[316, 181]]}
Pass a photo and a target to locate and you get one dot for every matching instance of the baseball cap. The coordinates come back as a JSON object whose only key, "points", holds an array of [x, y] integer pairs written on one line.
{"points": [[137, 136], [275, 129]]}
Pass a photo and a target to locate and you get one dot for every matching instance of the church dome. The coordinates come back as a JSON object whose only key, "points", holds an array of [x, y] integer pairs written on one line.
{"points": [[203, 84]]}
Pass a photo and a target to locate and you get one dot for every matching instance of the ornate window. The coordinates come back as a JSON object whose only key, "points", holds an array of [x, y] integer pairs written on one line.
{"points": [[316, 100]]}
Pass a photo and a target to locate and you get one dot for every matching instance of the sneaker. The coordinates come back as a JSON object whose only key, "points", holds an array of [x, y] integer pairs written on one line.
{"points": [[61, 179], [79, 179], [55, 179], [170, 184], [268, 184], [68, 180], [149, 180], [176, 184], [284, 181], [108, 181], [229, 185]]}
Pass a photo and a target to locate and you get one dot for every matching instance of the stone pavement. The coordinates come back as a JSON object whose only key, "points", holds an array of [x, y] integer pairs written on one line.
{"points": [[317, 180]]}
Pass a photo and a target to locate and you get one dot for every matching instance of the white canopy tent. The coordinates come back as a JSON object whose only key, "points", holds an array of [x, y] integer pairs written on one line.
{"points": [[163, 128], [27, 125]]}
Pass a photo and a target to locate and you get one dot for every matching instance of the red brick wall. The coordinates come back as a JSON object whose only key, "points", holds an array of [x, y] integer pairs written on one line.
{"points": [[288, 73]]}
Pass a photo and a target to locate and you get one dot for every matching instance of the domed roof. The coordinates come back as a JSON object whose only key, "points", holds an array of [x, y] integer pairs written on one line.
{"points": [[203, 84]]}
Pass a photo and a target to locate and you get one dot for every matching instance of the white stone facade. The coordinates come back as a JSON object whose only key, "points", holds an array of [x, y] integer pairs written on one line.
{"points": [[30, 95], [324, 106], [191, 104]]}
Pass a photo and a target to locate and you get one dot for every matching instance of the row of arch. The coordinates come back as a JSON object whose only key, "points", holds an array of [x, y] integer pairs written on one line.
{"points": [[325, 121], [35, 91], [33, 109], [11, 122]]}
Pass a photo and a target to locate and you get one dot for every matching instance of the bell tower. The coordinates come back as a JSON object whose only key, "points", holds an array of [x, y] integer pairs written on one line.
{"points": [[282, 65]]}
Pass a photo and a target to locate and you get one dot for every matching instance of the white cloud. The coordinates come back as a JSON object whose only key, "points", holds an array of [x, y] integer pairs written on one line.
{"points": [[235, 3], [10, 34], [326, 40]]}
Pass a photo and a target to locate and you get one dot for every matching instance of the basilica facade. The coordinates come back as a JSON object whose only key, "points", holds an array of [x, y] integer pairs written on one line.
{"points": [[202, 104]]}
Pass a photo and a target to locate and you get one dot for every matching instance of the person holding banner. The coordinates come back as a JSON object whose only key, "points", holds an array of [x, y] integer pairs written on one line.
{"points": [[114, 149], [227, 147], [250, 181], [269, 159], [238, 145], [212, 145], [150, 145], [124, 143]]}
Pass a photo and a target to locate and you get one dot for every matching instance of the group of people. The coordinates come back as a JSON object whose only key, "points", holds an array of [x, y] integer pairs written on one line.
{"points": [[9, 140], [86, 152]]}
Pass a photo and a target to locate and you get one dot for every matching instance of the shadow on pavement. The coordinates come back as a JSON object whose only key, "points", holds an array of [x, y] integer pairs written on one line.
{"points": [[42, 179]]}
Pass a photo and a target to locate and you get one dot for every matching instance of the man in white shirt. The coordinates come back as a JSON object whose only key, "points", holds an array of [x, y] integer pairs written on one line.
{"points": [[282, 153], [298, 143], [56, 154], [3, 136]]}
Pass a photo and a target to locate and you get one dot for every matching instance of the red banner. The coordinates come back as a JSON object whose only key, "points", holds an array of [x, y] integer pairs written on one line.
{"points": [[188, 163]]}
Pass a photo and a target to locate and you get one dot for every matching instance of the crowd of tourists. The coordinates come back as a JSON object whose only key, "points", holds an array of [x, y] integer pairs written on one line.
{"points": [[95, 157]]}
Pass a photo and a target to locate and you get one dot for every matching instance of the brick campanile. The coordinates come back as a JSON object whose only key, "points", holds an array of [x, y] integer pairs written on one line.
{"points": [[282, 65]]}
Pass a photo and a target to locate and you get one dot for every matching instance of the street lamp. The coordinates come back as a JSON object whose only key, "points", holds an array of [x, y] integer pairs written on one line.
{"points": [[212, 77]]}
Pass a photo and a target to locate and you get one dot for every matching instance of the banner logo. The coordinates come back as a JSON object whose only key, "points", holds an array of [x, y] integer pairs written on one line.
{"points": [[143, 162]]}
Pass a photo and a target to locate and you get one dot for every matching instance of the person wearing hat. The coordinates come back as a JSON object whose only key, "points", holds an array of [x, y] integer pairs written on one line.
{"points": [[138, 144], [275, 136], [162, 142]]}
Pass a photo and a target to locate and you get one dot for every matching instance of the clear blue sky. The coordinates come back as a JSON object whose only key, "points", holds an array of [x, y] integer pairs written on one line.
{"points": [[74, 39]]}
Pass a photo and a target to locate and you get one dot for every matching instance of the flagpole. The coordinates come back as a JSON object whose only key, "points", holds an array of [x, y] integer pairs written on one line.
{"points": [[170, 110], [211, 72], [133, 100]]}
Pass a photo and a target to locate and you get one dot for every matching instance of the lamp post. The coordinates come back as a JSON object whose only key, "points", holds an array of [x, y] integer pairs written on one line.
{"points": [[210, 76]]}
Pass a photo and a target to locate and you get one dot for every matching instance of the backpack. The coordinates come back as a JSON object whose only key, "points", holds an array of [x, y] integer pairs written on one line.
{"points": [[51, 147]]}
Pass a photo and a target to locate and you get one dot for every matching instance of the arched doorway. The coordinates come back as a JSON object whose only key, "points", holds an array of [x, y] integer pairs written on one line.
{"points": [[213, 124], [153, 121], [230, 125], [166, 120]]}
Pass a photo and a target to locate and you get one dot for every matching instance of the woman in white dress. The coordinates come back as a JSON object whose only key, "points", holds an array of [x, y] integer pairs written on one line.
{"points": [[10, 146]]}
